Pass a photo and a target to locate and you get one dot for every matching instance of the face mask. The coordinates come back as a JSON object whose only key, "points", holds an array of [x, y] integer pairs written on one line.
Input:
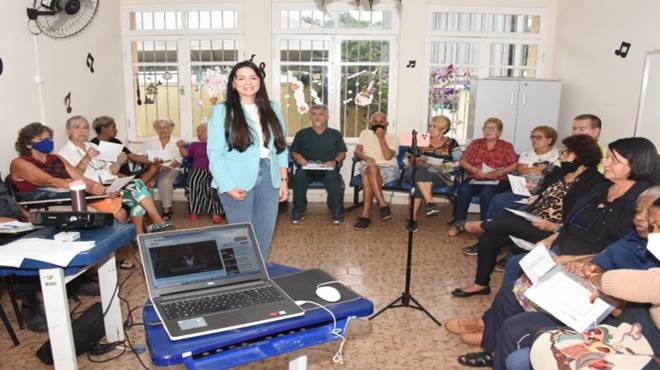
{"points": [[376, 127], [44, 146], [569, 167]]}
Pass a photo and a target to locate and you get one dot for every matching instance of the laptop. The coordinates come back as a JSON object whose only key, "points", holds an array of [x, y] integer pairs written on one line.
{"points": [[210, 279]]}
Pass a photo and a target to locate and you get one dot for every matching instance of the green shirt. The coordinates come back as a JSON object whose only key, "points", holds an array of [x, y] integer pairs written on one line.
{"points": [[315, 147]]}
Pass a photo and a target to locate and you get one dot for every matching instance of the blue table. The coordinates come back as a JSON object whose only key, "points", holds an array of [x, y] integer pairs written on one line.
{"points": [[242, 346], [53, 286]]}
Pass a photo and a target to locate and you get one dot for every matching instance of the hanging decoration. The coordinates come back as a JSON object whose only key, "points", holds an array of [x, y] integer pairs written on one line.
{"points": [[214, 80], [298, 89], [446, 88]]}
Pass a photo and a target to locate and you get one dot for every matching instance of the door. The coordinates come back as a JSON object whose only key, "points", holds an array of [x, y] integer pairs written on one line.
{"points": [[496, 98], [538, 104]]}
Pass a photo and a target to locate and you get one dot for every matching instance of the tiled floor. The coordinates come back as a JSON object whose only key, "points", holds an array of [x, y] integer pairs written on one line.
{"points": [[372, 262]]}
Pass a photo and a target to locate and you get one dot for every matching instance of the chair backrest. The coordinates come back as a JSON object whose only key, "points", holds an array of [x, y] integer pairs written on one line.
{"points": [[401, 155], [8, 205]]}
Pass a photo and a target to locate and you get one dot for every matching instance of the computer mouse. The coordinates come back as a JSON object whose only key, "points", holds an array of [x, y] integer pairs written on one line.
{"points": [[328, 293]]}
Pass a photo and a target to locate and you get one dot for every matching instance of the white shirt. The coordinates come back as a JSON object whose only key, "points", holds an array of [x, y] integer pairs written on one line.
{"points": [[253, 114], [171, 147], [529, 157], [96, 170]]}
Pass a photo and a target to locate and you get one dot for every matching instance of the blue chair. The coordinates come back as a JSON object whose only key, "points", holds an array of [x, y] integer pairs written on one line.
{"points": [[316, 184]]}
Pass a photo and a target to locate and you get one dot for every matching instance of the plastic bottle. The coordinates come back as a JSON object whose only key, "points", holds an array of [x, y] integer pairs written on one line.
{"points": [[78, 202]]}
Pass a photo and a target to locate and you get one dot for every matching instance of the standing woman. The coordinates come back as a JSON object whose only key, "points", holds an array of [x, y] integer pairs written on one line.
{"points": [[247, 153]]}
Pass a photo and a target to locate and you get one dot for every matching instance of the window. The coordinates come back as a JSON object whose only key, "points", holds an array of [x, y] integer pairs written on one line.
{"points": [[167, 53], [480, 42], [339, 57]]}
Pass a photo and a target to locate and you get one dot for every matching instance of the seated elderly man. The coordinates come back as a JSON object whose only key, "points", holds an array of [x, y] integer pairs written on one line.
{"points": [[377, 151], [323, 149]]}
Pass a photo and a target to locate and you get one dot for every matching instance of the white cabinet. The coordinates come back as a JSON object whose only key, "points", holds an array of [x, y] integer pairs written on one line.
{"points": [[520, 104]]}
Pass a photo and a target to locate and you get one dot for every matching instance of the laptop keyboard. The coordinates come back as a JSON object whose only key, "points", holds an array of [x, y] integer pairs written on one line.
{"points": [[221, 302]]}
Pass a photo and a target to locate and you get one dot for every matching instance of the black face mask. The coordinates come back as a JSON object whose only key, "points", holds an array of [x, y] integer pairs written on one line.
{"points": [[569, 167], [376, 127]]}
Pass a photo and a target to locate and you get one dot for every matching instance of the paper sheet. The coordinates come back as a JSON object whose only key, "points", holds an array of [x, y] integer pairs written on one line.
{"points": [[526, 215], [433, 161], [519, 185], [521, 201], [568, 300], [317, 167], [537, 263], [484, 182], [46, 250], [153, 154], [119, 183], [109, 151], [653, 245], [522, 244], [14, 227], [485, 168]]}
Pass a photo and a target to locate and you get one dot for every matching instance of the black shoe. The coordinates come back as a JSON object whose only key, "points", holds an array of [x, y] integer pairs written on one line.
{"points": [[362, 223], [432, 209], [460, 293], [471, 250], [501, 264], [385, 213], [337, 217], [412, 226], [34, 317]]}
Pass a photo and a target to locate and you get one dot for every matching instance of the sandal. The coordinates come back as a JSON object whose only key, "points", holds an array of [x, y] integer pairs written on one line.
{"points": [[126, 265], [153, 228], [453, 230], [464, 325], [476, 359]]}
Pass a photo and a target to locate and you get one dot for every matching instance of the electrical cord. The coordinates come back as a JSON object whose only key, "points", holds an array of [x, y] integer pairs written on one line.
{"points": [[338, 358]]}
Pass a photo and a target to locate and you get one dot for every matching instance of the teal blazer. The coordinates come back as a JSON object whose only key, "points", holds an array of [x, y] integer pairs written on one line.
{"points": [[236, 170]]}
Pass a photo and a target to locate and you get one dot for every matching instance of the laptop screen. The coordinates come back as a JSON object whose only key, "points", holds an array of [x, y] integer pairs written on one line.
{"points": [[201, 256]]}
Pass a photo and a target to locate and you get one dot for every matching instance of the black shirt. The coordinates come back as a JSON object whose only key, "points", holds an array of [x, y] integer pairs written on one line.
{"points": [[124, 169]]}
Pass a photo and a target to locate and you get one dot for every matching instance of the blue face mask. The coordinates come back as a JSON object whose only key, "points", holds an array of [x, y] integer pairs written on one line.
{"points": [[44, 146]]}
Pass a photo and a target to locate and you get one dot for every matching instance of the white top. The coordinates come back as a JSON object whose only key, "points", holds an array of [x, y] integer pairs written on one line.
{"points": [[529, 157], [253, 114], [96, 170], [171, 147]]}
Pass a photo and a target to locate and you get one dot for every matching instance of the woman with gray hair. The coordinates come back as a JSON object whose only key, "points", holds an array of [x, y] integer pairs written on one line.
{"points": [[165, 142]]}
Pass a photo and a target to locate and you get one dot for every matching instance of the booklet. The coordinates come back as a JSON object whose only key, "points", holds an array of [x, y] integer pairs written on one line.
{"points": [[163, 155], [108, 151], [653, 245], [523, 244], [526, 215], [15, 227], [433, 161], [519, 185], [316, 167], [118, 184], [560, 293]]}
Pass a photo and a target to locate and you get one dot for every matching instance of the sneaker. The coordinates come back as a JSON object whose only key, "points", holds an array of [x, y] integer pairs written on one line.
{"points": [[217, 219], [385, 213], [34, 317], [501, 264], [297, 218], [432, 209], [154, 228], [471, 250], [412, 226], [193, 217], [362, 223], [338, 217]]}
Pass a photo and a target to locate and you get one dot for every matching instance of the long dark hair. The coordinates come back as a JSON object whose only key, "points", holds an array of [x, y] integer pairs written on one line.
{"points": [[237, 131], [641, 154]]}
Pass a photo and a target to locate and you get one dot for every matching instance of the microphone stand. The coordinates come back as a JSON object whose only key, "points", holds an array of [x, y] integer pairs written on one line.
{"points": [[406, 299]]}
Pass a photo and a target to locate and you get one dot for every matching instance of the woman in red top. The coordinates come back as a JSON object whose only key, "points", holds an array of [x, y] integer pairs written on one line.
{"points": [[485, 159], [36, 170]]}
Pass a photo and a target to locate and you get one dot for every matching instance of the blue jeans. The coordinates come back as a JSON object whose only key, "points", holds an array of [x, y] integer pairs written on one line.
{"points": [[465, 193], [519, 360], [259, 208], [501, 201]]}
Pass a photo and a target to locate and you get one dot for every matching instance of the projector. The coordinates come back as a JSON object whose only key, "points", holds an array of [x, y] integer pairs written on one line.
{"points": [[72, 220]]}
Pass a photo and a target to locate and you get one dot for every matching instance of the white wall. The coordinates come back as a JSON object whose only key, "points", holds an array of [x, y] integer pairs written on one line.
{"points": [[61, 63], [595, 80]]}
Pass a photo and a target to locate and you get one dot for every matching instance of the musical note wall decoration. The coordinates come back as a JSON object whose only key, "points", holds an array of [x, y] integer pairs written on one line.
{"points": [[90, 62], [411, 64], [1, 66], [67, 102], [252, 57], [262, 67], [137, 86], [622, 51]]}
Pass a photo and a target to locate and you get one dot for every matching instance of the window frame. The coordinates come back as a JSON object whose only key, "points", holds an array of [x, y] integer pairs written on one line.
{"points": [[183, 64], [335, 36]]}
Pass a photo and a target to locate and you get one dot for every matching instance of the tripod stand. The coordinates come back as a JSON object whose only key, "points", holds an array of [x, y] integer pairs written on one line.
{"points": [[406, 299]]}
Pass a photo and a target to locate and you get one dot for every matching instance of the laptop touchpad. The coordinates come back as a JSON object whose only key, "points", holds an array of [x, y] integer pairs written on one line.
{"points": [[197, 322]]}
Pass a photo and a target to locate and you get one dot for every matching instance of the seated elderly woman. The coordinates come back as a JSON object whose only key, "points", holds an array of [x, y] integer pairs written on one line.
{"points": [[165, 142], [428, 175], [36, 173], [578, 174], [486, 159], [620, 263], [135, 197], [106, 130], [597, 219]]}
